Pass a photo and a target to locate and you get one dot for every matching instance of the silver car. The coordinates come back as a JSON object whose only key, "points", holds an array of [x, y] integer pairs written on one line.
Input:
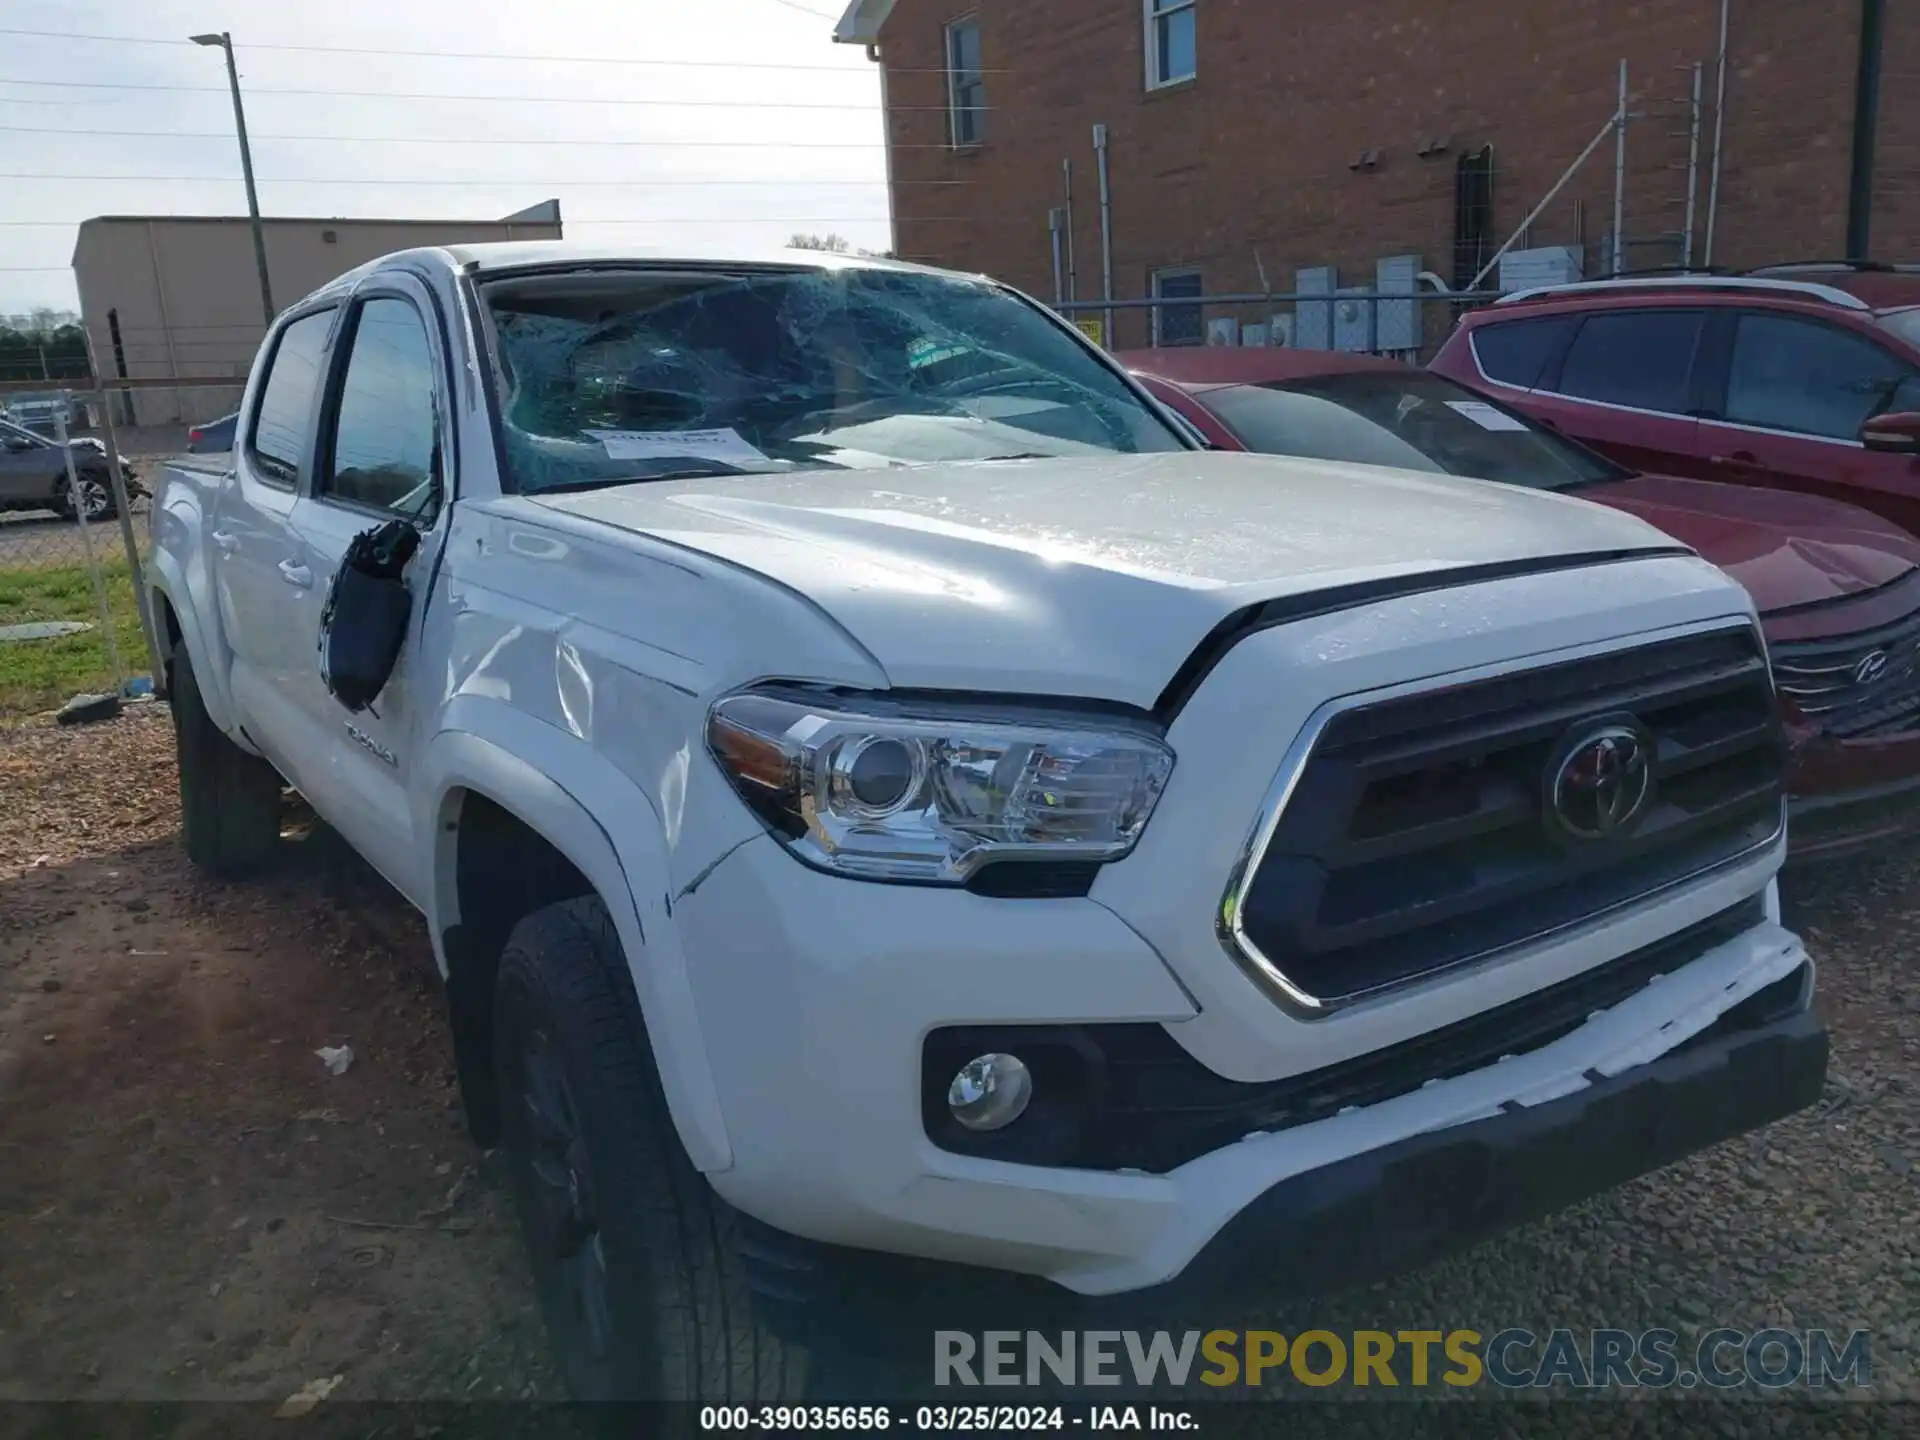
{"points": [[41, 411]]}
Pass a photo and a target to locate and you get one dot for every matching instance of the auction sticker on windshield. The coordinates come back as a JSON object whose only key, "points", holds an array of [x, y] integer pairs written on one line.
{"points": [[1486, 416], [726, 445]]}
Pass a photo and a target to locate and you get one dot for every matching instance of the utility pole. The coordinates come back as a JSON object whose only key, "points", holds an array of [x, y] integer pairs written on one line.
{"points": [[225, 42]]}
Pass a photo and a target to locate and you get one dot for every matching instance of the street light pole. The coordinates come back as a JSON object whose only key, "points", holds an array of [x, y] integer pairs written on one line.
{"points": [[225, 42]]}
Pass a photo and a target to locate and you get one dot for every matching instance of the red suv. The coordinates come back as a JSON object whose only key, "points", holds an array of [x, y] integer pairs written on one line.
{"points": [[1798, 377], [1838, 588]]}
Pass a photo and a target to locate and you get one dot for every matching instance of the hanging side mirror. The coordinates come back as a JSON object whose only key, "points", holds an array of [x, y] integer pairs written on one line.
{"points": [[365, 620]]}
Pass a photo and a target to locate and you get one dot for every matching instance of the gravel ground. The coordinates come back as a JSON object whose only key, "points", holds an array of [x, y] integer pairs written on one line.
{"points": [[190, 1206]]}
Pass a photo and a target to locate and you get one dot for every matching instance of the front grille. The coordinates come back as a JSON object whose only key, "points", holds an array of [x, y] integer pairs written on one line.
{"points": [[1136, 1099], [1858, 685], [1418, 835]]}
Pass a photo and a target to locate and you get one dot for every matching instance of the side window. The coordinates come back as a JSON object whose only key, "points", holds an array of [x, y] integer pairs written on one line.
{"points": [[1790, 374], [1642, 358], [281, 418], [1517, 352], [385, 445], [1178, 324]]}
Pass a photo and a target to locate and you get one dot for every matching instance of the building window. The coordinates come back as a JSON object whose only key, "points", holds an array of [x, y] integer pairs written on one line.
{"points": [[1171, 53], [966, 90], [1178, 324]]}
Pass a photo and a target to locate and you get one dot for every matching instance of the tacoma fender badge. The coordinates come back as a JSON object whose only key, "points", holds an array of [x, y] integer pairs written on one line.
{"points": [[367, 742]]}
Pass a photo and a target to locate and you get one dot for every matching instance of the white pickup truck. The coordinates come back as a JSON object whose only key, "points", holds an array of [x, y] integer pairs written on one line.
{"points": [[893, 811]]}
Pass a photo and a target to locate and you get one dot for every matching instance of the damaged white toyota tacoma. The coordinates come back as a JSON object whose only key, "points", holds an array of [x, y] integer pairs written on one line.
{"points": [[897, 818]]}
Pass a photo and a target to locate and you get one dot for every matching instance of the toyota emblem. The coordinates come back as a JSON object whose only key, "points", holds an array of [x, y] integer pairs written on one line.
{"points": [[1601, 780], [1871, 667]]}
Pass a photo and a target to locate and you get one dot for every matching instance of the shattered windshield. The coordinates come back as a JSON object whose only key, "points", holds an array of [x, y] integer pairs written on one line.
{"points": [[612, 376]]}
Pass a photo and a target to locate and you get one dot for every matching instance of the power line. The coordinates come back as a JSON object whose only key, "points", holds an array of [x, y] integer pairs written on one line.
{"points": [[874, 219], [227, 135], [546, 180], [652, 102], [484, 55], [806, 10], [253, 90]]}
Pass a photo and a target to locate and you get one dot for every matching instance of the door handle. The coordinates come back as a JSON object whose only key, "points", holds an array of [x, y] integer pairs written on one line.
{"points": [[223, 542], [294, 573], [1738, 460]]}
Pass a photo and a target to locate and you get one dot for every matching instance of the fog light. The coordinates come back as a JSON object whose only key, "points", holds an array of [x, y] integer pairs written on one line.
{"points": [[991, 1092]]}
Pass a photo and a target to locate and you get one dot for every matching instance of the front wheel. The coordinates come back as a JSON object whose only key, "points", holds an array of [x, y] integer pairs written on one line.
{"points": [[636, 1260], [96, 498]]}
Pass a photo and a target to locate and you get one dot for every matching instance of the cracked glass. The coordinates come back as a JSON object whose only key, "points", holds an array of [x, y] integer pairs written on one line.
{"points": [[612, 376]]}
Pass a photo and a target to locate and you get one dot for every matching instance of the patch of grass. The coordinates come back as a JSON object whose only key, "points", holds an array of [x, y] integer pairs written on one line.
{"points": [[39, 675]]}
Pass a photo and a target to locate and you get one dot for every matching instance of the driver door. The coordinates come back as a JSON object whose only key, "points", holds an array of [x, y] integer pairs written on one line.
{"points": [[379, 454]]}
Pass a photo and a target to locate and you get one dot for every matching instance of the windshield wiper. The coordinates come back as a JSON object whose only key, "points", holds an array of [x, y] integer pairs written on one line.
{"points": [[693, 469]]}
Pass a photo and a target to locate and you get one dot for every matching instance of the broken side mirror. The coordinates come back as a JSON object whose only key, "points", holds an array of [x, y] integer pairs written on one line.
{"points": [[364, 623]]}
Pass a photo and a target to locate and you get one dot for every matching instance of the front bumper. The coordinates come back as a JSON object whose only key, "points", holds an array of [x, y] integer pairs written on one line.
{"points": [[815, 995], [1847, 797], [1347, 1223]]}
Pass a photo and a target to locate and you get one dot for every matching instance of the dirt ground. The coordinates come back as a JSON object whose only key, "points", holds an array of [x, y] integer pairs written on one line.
{"points": [[191, 1204], [193, 1207]]}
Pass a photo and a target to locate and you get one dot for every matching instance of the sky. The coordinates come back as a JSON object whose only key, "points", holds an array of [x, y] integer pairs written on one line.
{"points": [[738, 122]]}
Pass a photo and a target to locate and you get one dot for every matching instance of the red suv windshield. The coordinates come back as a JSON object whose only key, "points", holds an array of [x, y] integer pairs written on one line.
{"points": [[1414, 421]]}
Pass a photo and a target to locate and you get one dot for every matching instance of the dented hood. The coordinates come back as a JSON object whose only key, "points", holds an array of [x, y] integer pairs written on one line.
{"points": [[1093, 576]]}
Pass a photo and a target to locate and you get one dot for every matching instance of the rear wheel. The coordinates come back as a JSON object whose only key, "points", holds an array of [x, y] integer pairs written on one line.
{"points": [[636, 1260], [229, 800]]}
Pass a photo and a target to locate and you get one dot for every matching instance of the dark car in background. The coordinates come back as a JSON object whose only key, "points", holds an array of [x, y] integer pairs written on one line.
{"points": [[33, 474], [1838, 587], [1797, 377]]}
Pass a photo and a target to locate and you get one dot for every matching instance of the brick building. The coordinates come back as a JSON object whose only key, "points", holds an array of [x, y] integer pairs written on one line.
{"points": [[1312, 143]]}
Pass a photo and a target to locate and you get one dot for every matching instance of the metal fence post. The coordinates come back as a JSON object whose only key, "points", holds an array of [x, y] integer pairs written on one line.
{"points": [[1620, 175], [1693, 161], [123, 503], [143, 602], [1106, 232]]}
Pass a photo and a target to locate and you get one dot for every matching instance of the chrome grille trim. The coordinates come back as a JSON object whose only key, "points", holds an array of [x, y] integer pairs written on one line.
{"points": [[1273, 981]]}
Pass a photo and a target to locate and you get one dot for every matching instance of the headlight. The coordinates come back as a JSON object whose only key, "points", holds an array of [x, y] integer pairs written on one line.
{"points": [[882, 790]]}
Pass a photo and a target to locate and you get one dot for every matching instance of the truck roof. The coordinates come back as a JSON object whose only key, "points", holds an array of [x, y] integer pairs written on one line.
{"points": [[496, 256], [514, 254]]}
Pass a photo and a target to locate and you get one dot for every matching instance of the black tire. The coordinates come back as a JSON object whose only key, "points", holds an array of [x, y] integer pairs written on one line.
{"points": [[96, 490], [635, 1258], [229, 800]]}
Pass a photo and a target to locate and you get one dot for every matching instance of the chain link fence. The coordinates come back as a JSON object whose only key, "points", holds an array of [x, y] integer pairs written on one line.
{"points": [[75, 530], [1408, 325]]}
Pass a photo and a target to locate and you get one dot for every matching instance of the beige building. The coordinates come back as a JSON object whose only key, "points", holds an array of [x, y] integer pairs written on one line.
{"points": [[165, 295]]}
